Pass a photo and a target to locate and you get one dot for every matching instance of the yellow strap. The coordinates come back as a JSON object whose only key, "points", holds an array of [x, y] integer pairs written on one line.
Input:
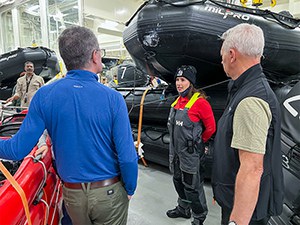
{"points": [[19, 189], [273, 3], [192, 100], [175, 102], [243, 2], [257, 2]]}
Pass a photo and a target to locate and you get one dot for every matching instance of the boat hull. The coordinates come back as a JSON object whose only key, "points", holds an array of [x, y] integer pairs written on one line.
{"points": [[42, 188], [161, 37]]}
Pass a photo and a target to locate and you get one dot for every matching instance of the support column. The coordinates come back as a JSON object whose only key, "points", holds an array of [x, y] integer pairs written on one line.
{"points": [[80, 12], [16, 27], [44, 22]]}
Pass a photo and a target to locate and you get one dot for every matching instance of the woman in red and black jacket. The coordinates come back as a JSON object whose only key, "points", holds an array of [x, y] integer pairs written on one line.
{"points": [[191, 123]]}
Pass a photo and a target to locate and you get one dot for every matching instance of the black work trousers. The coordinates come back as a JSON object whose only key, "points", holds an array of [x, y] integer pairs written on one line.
{"points": [[226, 214], [189, 188]]}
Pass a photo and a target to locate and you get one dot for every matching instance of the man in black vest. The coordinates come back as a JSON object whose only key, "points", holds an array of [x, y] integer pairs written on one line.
{"points": [[247, 174]]}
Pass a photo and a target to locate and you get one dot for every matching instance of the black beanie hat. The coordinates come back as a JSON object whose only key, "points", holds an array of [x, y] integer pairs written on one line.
{"points": [[189, 72]]}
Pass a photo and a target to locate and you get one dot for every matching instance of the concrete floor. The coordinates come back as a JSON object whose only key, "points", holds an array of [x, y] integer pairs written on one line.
{"points": [[155, 195]]}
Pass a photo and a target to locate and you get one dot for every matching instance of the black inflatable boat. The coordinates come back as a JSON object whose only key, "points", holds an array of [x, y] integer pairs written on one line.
{"points": [[12, 64], [164, 34]]}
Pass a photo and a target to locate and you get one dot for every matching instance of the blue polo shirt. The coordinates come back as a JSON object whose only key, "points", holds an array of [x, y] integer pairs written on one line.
{"points": [[89, 127]]}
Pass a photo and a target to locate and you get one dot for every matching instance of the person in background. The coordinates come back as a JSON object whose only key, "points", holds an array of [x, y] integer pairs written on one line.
{"points": [[27, 85], [22, 74], [247, 173], [104, 80], [90, 132], [17, 102], [191, 123], [115, 79]]}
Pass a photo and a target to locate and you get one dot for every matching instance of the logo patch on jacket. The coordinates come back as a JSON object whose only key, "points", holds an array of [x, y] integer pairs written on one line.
{"points": [[179, 123]]}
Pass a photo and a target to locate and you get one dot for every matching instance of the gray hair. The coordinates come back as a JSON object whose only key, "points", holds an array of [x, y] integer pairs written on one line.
{"points": [[76, 46], [248, 39]]}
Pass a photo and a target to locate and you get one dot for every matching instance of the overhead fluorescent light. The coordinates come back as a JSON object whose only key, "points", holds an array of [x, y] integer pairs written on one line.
{"points": [[108, 24], [6, 2], [121, 11], [33, 8]]}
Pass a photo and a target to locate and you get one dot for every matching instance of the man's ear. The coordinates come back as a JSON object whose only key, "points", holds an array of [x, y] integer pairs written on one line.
{"points": [[95, 56], [232, 54]]}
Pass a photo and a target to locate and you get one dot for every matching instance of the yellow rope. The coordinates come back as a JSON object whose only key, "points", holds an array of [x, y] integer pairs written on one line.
{"points": [[140, 123]]}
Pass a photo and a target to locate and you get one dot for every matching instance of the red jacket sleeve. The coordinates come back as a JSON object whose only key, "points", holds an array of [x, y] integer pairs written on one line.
{"points": [[201, 110]]}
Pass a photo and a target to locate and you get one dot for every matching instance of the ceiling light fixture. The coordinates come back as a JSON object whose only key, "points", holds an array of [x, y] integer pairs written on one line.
{"points": [[34, 8], [108, 24], [121, 11], [6, 2]]}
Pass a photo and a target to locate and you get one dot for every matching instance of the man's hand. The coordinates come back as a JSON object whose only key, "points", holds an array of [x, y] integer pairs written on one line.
{"points": [[9, 99], [129, 197], [42, 150]]}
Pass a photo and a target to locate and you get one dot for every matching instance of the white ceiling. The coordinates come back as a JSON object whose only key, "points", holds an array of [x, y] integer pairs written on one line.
{"points": [[116, 10], [293, 6], [107, 18]]}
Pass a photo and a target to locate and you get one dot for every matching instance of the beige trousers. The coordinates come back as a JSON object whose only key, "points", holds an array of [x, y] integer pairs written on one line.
{"points": [[100, 206]]}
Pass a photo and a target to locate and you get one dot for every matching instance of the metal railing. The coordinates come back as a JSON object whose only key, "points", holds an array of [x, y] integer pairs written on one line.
{"points": [[6, 109]]}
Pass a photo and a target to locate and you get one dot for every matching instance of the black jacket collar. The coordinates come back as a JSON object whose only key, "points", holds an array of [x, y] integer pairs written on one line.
{"points": [[252, 73]]}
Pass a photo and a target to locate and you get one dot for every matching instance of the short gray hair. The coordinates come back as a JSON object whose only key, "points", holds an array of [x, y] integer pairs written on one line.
{"points": [[76, 46], [248, 39]]}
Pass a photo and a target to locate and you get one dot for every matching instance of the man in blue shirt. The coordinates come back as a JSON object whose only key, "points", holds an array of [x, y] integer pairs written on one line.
{"points": [[90, 131]]}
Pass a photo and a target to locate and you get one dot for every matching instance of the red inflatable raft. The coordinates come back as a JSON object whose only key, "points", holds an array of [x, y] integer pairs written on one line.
{"points": [[40, 184]]}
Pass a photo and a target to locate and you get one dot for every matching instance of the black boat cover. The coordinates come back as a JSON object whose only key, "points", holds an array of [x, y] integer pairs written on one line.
{"points": [[163, 35], [290, 112]]}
